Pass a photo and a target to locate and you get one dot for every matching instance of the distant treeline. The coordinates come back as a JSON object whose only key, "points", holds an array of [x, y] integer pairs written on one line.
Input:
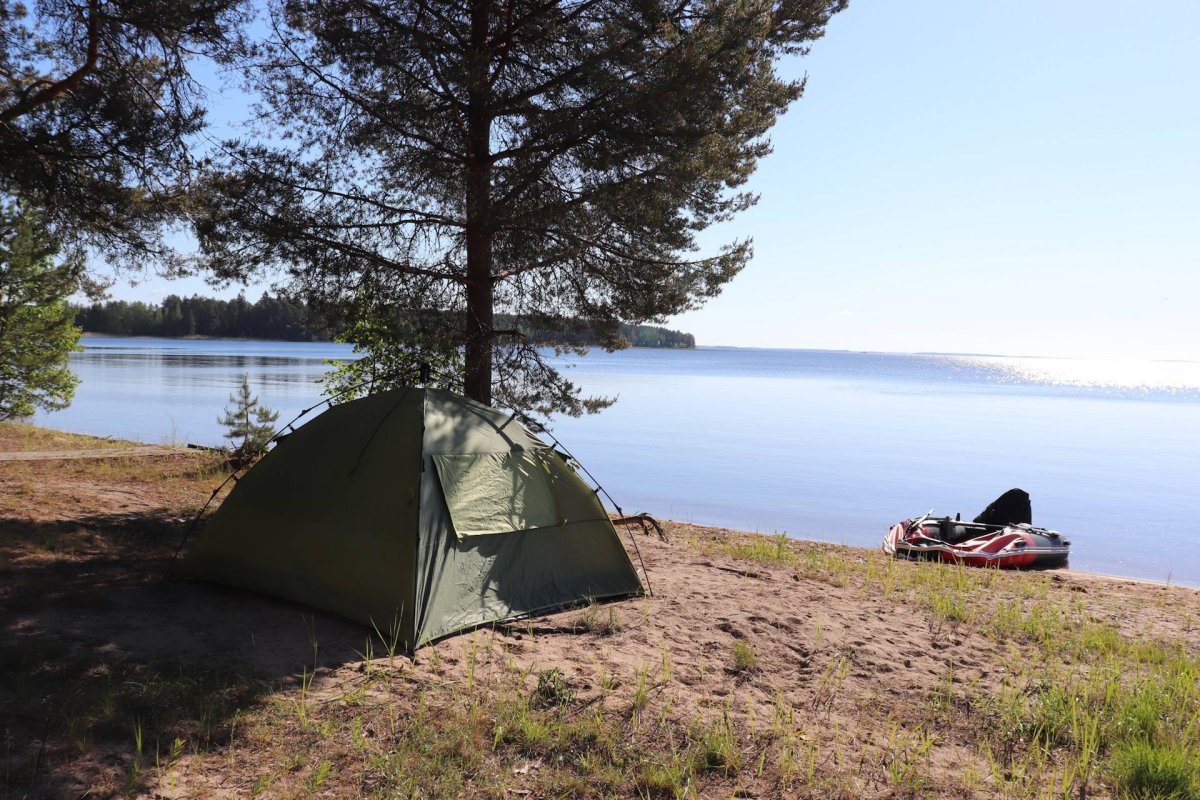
{"points": [[174, 317], [636, 335], [280, 319]]}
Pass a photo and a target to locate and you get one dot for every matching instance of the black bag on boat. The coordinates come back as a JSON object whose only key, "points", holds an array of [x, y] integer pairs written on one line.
{"points": [[1010, 508]]}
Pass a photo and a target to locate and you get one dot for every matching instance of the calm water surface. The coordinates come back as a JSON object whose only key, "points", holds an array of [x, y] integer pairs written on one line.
{"points": [[818, 444]]}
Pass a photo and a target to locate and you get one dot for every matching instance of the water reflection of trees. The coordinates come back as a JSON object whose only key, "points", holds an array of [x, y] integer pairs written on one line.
{"points": [[205, 376]]}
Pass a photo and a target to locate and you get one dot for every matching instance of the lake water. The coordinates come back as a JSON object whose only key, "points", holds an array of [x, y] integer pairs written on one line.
{"points": [[819, 444]]}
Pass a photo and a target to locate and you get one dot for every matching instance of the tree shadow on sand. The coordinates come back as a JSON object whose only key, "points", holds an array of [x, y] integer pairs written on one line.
{"points": [[107, 665]]}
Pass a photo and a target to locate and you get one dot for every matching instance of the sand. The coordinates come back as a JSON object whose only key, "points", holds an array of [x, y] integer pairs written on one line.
{"points": [[858, 669]]}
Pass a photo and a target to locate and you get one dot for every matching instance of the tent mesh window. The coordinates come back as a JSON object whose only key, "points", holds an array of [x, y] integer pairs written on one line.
{"points": [[536, 479]]}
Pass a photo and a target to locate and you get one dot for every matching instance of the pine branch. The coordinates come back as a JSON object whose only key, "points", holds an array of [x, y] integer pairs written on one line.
{"points": [[56, 89]]}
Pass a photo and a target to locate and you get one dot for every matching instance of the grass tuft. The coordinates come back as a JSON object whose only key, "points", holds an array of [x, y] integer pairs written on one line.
{"points": [[745, 660], [1143, 770], [715, 746], [591, 620]]}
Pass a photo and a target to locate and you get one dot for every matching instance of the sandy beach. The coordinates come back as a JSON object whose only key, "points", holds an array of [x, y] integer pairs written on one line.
{"points": [[760, 667]]}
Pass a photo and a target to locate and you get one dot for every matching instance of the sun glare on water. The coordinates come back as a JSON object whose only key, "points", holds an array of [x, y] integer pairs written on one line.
{"points": [[1149, 376]]}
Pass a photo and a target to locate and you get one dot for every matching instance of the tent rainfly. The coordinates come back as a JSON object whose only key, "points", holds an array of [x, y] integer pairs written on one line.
{"points": [[417, 511]]}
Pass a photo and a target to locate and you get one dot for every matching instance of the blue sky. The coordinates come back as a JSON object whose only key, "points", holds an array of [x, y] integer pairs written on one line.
{"points": [[1010, 177]]}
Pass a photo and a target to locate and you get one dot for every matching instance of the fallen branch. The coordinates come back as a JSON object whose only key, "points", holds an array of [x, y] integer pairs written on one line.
{"points": [[645, 521]]}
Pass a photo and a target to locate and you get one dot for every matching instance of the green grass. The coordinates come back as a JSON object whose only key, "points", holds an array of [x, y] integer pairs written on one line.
{"points": [[906, 757], [22, 436], [1077, 703], [715, 746], [1083, 708], [154, 713], [776, 550], [1102, 707], [1144, 770], [745, 660]]}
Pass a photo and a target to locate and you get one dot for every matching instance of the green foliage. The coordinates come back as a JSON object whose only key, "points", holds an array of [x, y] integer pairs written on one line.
{"points": [[552, 688], [36, 331], [654, 336], [96, 107], [249, 424], [268, 318], [392, 346], [285, 319], [555, 162]]}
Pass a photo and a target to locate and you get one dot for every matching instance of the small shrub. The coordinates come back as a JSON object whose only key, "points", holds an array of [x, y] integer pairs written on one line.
{"points": [[517, 723], [552, 689], [318, 778], [773, 550], [744, 658], [952, 608]]}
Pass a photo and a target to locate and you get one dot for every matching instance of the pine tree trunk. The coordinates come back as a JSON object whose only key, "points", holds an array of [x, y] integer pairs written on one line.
{"points": [[477, 375]]}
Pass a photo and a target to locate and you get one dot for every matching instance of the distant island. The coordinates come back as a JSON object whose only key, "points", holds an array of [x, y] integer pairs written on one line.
{"points": [[280, 319]]}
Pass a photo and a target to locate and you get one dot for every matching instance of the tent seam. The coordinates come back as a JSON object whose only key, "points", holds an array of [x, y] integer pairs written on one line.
{"points": [[417, 589]]}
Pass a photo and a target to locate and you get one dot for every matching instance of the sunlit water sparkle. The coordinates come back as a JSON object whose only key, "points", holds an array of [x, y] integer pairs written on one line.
{"points": [[1144, 377]]}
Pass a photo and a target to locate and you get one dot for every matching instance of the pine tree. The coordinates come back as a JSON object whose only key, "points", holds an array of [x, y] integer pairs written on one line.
{"points": [[37, 326], [461, 159], [250, 426], [97, 109]]}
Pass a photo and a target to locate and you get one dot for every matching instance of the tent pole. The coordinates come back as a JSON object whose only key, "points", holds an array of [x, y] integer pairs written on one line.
{"points": [[528, 420], [234, 476]]}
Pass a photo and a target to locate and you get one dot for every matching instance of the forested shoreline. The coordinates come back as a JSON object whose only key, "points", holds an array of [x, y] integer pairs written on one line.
{"points": [[277, 318]]}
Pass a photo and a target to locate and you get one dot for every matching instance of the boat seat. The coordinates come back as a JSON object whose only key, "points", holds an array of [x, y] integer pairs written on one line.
{"points": [[952, 532]]}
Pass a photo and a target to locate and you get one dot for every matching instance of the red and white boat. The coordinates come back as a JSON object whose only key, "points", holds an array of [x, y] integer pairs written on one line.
{"points": [[1013, 543]]}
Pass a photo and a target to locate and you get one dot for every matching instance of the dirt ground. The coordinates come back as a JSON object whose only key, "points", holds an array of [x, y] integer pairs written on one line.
{"points": [[124, 682]]}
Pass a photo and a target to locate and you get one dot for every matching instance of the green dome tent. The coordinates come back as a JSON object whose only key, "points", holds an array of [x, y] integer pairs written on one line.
{"points": [[415, 508]]}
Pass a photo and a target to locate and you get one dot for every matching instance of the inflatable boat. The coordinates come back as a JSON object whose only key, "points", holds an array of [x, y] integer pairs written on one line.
{"points": [[1002, 537]]}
